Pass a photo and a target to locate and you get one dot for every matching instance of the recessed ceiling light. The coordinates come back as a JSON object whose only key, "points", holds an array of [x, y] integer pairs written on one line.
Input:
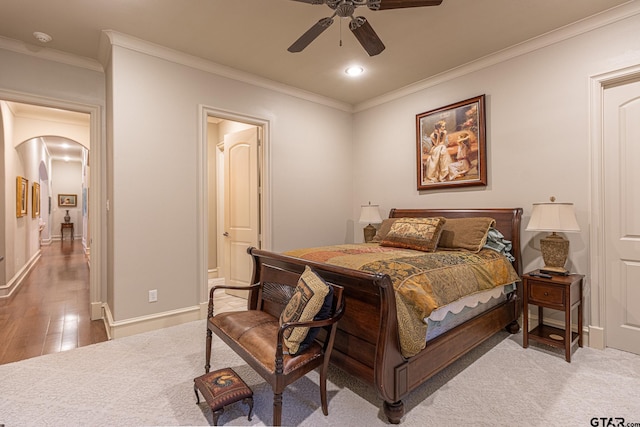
{"points": [[354, 70], [42, 37]]}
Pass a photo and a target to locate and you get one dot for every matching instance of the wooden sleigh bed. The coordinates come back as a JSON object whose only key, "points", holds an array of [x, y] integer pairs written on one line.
{"points": [[367, 343]]}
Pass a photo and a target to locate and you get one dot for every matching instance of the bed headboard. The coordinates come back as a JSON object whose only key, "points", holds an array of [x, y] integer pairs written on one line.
{"points": [[507, 222]]}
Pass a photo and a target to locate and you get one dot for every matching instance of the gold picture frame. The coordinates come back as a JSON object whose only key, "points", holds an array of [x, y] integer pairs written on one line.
{"points": [[35, 200], [451, 148], [22, 196], [68, 200]]}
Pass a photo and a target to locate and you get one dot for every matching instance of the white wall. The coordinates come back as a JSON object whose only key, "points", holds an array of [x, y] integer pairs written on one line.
{"points": [[537, 136], [154, 202], [21, 235], [66, 178]]}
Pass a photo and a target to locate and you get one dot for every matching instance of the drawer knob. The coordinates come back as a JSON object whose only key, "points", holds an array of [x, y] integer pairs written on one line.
{"points": [[546, 294]]}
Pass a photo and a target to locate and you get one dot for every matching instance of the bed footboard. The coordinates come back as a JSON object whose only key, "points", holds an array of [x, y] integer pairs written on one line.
{"points": [[366, 344]]}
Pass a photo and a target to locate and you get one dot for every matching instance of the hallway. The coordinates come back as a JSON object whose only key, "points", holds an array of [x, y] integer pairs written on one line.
{"points": [[50, 311]]}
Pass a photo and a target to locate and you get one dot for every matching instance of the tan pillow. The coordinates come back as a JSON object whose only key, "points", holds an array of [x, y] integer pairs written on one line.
{"points": [[306, 302], [469, 234], [421, 234], [384, 229]]}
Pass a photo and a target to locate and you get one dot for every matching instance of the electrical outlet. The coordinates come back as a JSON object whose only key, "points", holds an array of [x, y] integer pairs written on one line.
{"points": [[153, 295]]}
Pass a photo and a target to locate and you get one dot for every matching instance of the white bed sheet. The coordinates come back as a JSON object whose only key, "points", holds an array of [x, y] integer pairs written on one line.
{"points": [[470, 301]]}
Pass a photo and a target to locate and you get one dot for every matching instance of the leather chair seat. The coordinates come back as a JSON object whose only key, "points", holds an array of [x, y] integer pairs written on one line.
{"points": [[255, 332]]}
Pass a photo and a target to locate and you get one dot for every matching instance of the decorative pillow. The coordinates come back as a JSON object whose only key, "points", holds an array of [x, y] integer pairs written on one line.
{"points": [[384, 229], [469, 234], [324, 313], [421, 234], [497, 242], [306, 302]]}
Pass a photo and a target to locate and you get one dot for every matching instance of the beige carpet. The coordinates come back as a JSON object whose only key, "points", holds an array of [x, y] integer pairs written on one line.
{"points": [[147, 379]]}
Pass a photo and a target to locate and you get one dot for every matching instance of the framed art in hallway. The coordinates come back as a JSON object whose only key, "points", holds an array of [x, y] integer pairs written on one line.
{"points": [[35, 200], [451, 146], [22, 195], [69, 200]]}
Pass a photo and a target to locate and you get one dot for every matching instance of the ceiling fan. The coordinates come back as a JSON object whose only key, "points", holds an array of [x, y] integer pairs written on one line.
{"points": [[359, 25]]}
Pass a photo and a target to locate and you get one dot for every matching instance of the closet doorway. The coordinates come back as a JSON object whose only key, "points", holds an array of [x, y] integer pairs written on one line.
{"points": [[235, 187]]}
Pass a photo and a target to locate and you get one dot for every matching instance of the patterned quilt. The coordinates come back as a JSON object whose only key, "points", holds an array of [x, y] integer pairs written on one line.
{"points": [[423, 281]]}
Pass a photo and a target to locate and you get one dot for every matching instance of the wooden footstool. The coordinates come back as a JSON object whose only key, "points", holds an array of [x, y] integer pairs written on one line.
{"points": [[221, 388]]}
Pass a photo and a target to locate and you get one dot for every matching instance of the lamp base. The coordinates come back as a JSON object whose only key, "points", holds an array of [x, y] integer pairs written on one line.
{"points": [[369, 233], [555, 250]]}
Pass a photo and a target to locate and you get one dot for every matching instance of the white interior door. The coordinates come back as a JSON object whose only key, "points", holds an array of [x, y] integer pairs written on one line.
{"points": [[621, 215], [241, 205]]}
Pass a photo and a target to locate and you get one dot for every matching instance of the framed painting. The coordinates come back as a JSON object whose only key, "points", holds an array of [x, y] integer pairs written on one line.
{"points": [[451, 146], [68, 200], [35, 200], [22, 196]]}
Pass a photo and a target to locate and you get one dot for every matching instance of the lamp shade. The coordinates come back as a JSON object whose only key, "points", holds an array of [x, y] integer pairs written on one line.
{"points": [[370, 214], [553, 217]]}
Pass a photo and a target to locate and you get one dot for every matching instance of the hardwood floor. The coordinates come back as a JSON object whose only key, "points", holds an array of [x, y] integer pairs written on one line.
{"points": [[50, 311]]}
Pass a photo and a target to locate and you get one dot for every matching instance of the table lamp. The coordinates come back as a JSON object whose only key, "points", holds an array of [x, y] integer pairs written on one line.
{"points": [[555, 248], [370, 214]]}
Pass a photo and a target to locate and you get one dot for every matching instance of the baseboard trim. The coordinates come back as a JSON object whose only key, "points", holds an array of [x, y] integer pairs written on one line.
{"points": [[596, 337], [125, 328], [12, 285]]}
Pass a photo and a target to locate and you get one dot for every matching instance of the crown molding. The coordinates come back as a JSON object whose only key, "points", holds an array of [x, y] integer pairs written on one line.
{"points": [[49, 54], [586, 25], [115, 38]]}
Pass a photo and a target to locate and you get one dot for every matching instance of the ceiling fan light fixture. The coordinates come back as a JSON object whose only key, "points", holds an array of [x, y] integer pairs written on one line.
{"points": [[354, 70], [358, 25]]}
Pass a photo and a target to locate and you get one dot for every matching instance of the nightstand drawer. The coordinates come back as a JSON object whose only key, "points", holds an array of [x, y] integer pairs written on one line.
{"points": [[546, 294]]}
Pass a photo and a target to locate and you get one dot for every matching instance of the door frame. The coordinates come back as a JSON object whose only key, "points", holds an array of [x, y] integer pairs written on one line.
{"points": [[203, 190], [97, 185], [597, 279]]}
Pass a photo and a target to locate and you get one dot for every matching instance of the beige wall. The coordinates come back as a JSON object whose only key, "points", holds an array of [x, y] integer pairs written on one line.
{"points": [[310, 155], [538, 140]]}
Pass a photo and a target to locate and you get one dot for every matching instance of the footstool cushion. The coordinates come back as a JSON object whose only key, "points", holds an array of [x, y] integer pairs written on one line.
{"points": [[221, 388]]}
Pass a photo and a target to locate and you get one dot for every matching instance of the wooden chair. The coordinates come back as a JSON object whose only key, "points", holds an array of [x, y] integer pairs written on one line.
{"points": [[257, 337]]}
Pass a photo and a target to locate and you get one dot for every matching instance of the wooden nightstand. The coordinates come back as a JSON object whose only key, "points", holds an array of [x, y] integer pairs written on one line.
{"points": [[562, 293]]}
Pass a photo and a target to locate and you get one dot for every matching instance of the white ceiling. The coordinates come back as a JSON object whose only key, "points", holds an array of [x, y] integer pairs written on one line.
{"points": [[253, 35]]}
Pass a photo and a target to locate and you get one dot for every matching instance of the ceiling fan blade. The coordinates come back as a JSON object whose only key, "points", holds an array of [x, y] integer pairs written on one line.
{"points": [[399, 4], [312, 1], [310, 35], [368, 38]]}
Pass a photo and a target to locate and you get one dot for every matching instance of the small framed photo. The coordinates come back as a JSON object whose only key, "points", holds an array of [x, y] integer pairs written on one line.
{"points": [[68, 200], [451, 146], [35, 200], [22, 196]]}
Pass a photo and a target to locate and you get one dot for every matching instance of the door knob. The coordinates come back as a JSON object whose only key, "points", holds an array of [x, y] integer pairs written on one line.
{"points": [[225, 234]]}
